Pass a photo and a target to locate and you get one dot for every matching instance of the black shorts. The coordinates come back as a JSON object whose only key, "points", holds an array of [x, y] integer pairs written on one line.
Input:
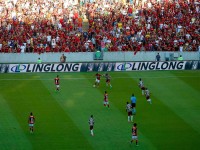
{"points": [[91, 127], [130, 113], [133, 105], [108, 81]]}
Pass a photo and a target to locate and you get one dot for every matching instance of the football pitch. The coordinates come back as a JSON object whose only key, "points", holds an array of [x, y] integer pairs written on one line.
{"points": [[171, 122]]}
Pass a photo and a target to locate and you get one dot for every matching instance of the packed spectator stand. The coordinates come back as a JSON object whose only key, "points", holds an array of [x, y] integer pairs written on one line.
{"points": [[57, 26]]}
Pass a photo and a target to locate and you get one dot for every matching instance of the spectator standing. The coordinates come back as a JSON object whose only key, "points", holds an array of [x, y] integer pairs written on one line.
{"points": [[39, 61], [22, 48], [63, 58], [158, 57], [180, 58], [155, 25]]}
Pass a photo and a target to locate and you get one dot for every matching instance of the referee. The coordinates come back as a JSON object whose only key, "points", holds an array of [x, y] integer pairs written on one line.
{"points": [[133, 103]]}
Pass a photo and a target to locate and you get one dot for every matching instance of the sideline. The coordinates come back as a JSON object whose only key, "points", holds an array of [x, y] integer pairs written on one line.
{"points": [[112, 78]]}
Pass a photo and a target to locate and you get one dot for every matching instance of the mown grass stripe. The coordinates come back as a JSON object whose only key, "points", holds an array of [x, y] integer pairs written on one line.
{"points": [[171, 115], [53, 129], [160, 126], [79, 99], [12, 136], [182, 99]]}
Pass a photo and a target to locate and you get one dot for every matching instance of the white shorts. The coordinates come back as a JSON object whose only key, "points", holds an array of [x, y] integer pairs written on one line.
{"points": [[57, 85], [53, 46], [148, 100], [105, 102], [134, 137], [97, 81], [31, 124]]}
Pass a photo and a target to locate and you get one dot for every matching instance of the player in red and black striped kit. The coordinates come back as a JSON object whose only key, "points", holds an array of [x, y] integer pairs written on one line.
{"points": [[31, 121], [97, 80], [106, 102], [57, 83], [134, 134]]}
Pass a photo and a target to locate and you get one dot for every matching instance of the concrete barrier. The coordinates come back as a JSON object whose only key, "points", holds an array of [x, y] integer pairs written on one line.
{"points": [[88, 56]]}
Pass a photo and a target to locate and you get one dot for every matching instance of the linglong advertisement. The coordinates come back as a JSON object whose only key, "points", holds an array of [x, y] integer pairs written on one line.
{"points": [[100, 66]]}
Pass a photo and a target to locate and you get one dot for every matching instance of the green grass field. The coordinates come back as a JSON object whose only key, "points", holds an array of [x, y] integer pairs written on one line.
{"points": [[172, 122]]}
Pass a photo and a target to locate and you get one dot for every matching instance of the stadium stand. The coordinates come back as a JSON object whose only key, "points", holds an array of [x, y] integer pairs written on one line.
{"points": [[37, 26]]}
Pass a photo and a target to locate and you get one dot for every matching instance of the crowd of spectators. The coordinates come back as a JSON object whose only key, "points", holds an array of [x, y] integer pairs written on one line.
{"points": [[57, 25]]}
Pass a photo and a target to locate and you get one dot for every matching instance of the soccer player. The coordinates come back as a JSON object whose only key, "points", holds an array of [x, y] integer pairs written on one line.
{"points": [[133, 103], [147, 94], [134, 134], [31, 121], [141, 85], [108, 77], [91, 123], [57, 83], [129, 110], [97, 80], [106, 103]]}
